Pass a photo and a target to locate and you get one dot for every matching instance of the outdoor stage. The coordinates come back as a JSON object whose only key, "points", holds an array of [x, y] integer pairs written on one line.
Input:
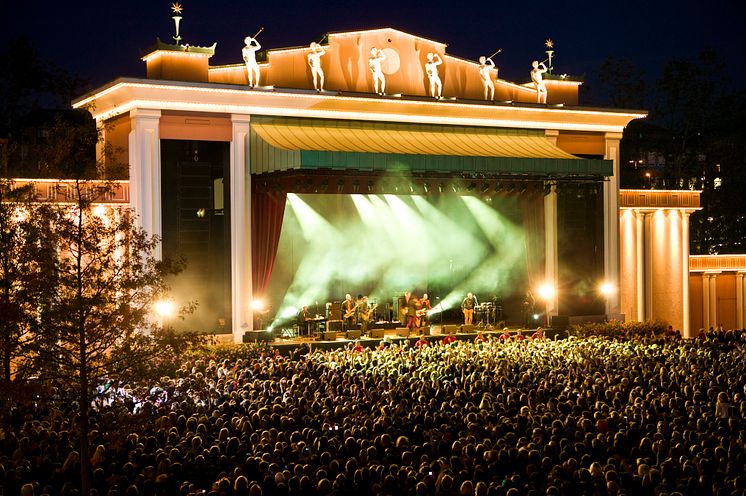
{"points": [[435, 334]]}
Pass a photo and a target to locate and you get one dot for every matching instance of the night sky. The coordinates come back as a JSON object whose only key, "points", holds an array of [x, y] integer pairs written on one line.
{"points": [[101, 40]]}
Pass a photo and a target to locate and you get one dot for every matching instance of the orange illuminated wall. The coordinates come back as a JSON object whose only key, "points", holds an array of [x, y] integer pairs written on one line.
{"points": [[718, 294], [654, 255]]}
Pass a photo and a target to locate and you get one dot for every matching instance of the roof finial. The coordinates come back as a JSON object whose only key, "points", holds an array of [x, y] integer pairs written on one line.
{"points": [[176, 8], [550, 53]]}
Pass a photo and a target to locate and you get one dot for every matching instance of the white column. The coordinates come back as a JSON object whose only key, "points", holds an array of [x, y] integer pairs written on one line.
{"points": [[713, 300], [705, 301], [551, 270], [611, 223], [686, 308], [739, 299], [145, 170], [242, 317], [640, 263], [648, 264]]}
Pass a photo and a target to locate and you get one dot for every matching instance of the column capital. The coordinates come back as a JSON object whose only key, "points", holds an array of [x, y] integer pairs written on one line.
{"points": [[240, 118], [143, 113], [741, 273], [613, 136]]}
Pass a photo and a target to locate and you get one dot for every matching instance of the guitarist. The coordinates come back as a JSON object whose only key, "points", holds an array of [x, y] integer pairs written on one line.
{"points": [[424, 306], [348, 312]]}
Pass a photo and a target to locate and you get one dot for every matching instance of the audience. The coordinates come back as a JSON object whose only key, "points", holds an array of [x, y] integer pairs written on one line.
{"points": [[597, 415]]}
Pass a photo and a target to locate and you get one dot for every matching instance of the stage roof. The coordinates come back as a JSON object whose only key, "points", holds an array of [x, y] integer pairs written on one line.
{"points": [[280, 143]]}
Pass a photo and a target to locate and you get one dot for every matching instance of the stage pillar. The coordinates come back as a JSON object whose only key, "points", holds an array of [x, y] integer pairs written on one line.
{"points": [[551, 274], [713, 301], [740, 303], [145, 171], [611, 224], [640, 263], [647, 264], [686, 330], [242, 317]]}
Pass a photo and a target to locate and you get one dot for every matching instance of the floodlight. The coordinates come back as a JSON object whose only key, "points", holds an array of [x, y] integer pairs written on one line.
{"points": [[607, 289], [257, 304], [164, 308], [546, 291]]}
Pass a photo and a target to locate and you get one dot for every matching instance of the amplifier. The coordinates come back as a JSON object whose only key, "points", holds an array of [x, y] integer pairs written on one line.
{"points": [[352, 334], [376, 333], [450, 329], [467, 328], [402, 332], [253, 336], [329, 336], [334, 326]]}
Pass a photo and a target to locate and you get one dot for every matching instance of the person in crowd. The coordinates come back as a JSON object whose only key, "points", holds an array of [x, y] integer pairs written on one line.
{"points": [[638, 415]]}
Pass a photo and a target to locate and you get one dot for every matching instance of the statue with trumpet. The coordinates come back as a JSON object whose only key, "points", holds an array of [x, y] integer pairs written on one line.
{"points": [[249, 57], [486, 64]]}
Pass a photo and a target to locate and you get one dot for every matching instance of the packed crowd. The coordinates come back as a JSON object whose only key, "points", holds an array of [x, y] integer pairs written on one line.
{"points": [[536, 417]]}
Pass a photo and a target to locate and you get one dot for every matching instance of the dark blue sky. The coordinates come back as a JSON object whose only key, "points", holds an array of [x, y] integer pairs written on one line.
{"points": [[101, 40]]}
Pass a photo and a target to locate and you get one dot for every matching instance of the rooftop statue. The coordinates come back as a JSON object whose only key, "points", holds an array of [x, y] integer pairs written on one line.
{"points": [[249, 57], [485, 73], [536, 76], [375, 63], [314, 61], [431, 68]]}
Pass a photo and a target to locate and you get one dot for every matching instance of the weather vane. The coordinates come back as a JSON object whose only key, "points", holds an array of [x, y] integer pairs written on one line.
{"points": [[176, 8], [550, 52]]}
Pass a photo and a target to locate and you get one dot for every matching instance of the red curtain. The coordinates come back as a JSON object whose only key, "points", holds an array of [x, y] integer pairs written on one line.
{"points": [[533, 227], [267, 212]]}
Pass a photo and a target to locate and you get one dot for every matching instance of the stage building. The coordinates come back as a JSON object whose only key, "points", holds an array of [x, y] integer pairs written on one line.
{"points": [[293, 194]]}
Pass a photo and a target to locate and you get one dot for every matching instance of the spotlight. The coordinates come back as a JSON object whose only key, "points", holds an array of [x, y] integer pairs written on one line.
{"points": [[356, 186], [257, 304], [370, 187], [536, 316], [340, 186], [411, 187], [546, 291], [324, 185], [471, 187], [485, 187], [511, 188], [164, 308], [498, 187], [523, 188], [426, 187], [441, 188], [455, 187], [201, 213], [607, 289]]}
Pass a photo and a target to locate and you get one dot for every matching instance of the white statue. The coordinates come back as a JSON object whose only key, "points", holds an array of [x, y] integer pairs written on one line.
{"points": [[375, 63], [485, 72], [314, 61], [536, 77], [431, 68], [249, 56]]}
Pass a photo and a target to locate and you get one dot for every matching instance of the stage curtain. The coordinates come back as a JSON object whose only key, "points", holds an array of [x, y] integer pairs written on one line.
{"points": [[267, 212], [533, 227]]}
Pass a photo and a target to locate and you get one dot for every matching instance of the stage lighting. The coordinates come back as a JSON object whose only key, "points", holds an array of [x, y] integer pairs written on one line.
{"points": [[411, 187], [511, 188], [498, 187], [356, 186], [471, 187], [485, 187], [441, 188], [536, 316], [201, 213], [607, 289], [426, 187], [546, 291], [257, 304], [340, 186], [164, 308]]}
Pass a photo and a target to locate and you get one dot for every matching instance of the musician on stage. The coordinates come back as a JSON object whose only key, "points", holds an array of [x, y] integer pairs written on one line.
{"points": [[467, 306], [412, 312], [304, 324], [348, 312], [424, 307], [363, 314]]}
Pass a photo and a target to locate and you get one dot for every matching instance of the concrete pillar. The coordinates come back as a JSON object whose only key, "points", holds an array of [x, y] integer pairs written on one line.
{"points": [[685, 316], [740, 304], [550, 248], [713, 301], [648, 264], [705, 301], [145, 170], [242, 317], [640, 263], [611, 223]]}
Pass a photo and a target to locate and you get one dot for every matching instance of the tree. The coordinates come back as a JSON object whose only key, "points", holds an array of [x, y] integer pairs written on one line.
{"points": [[94, 311], [22, 251]]}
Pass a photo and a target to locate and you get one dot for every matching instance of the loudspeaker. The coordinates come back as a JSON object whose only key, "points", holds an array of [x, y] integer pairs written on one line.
{"points": [[329, 336], [352, 334], [450, 329], [376, 333], [468, 328], [254, 336], [335, 311], [402, 332], [424, 331], [334, 326], [560, 322]]}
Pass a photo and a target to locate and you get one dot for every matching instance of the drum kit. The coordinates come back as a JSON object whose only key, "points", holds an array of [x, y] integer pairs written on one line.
{"points": [[484, 314]]}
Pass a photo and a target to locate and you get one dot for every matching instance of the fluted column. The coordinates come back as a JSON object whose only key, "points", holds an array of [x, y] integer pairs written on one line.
{"points": [[145, 170], [705, 301], [611, 223], [242, 317], [740, 304]]}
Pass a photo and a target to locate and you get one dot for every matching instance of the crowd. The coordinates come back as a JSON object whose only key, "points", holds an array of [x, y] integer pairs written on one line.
{"points": [[640, 416]]}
